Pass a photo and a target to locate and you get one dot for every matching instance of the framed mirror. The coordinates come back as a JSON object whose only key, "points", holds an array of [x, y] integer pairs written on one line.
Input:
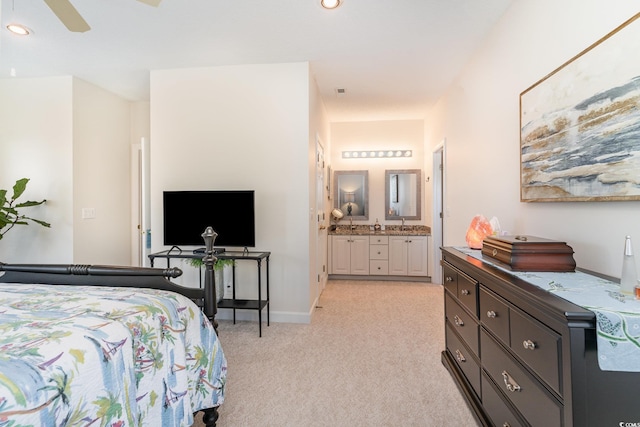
{"points": [[403, 194], [351, 193]]}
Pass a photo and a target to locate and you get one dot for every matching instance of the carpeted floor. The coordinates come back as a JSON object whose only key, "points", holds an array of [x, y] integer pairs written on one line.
{"points": [[371, 357]]}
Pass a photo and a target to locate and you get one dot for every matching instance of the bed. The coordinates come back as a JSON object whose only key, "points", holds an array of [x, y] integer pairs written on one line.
{"points": [[109, 346]]}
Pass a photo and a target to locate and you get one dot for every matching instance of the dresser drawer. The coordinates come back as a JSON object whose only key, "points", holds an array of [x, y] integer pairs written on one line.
{"points": [[498, 410], [378, 251], [465, 361], [525, 393], [379, 267], [450, 278], [494, 314], [379, 240], [462, 322], [468, 293], [538, 346]]}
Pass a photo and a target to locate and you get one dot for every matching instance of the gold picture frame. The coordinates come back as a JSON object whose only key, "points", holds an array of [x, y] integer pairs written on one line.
{"points": [[580, 125]]}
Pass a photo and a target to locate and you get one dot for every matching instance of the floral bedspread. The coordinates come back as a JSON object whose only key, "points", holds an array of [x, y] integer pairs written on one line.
{"points": [[617, 315], [97, 356]]}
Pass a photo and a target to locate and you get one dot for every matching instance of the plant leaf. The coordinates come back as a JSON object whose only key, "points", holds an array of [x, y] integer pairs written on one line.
{"points": [[42, 223], [29, 203], [19, 187]]}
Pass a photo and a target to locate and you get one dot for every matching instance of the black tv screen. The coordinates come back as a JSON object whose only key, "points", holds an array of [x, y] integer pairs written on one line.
{"points": [[188, 213]]}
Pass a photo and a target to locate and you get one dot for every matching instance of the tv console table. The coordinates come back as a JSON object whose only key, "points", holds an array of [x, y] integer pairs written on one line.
{"points": [[231, 303]]}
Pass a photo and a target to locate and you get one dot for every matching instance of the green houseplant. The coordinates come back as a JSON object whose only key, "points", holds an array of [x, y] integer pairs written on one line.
{"points": [[11, 210], [217, 266], [217, 269]]}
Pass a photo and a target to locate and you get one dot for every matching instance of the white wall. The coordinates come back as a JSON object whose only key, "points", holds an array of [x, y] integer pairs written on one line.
{"points": [[379, 135], [241, 128], [102, 178], [36, 142], [71, 139], [479, 117]]}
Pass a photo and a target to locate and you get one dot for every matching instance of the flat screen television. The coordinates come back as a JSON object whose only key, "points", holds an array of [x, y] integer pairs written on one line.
{"points": [[187, 214]]}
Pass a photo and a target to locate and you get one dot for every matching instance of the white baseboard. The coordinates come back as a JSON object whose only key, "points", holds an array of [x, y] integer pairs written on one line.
{"points": [[252, 315]]}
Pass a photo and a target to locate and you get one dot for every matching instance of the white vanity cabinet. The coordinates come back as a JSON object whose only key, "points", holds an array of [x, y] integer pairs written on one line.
{"points": [[409, 255], [349, 254]]}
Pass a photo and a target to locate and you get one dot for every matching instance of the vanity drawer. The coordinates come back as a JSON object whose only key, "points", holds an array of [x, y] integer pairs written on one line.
{"points": [[379, 240], [378, 251], [499, 411], [494, 314], [538, 346], [379, 267], [523, 390], [465, 361], [468, 293], [462, 322]]}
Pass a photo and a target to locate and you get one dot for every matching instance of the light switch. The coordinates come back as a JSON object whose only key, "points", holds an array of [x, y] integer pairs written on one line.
{"points": [[88, 213]]}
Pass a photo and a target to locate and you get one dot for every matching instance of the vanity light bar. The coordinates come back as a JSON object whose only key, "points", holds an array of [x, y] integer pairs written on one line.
{"points": [[377, 154]]}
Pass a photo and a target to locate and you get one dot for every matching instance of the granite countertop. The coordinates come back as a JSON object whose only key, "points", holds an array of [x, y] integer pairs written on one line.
{"points": [[390, 230]]}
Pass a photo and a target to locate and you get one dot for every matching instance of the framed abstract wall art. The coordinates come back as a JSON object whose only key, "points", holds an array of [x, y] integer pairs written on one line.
{"points": [[580, 125]]}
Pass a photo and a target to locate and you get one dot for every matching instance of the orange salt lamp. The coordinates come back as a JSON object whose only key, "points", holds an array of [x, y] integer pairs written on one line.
{"points": [[479, 228]]}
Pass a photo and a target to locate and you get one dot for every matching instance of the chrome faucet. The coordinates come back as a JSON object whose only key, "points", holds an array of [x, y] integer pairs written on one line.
{"points": [[351, 223], [402, 228]]}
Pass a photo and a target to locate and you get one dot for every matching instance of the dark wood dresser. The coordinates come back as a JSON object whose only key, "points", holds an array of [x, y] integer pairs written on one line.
{"points": [[525, 357]]}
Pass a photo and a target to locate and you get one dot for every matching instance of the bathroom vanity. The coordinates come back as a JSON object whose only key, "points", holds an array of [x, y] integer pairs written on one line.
{"points": [[397, 253]]}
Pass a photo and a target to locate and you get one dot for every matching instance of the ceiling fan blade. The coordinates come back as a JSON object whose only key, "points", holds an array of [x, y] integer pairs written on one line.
{"points": [[69, 16], [154, 3]]}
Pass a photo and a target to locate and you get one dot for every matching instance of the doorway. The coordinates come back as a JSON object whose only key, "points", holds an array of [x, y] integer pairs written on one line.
{"points": [[437, 231], [140, 201], [321, 228]]}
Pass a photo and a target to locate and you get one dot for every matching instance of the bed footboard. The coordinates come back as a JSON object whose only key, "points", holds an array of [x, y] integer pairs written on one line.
{"points": [[132, 277], [210, 417], [117, 276]]}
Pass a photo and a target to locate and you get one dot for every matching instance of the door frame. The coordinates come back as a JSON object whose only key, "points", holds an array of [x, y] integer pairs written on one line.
{"points": [[439, 215], [321, 264]]}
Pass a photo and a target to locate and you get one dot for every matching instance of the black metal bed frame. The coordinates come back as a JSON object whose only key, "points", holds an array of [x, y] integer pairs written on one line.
{"points": [[134, 277]]}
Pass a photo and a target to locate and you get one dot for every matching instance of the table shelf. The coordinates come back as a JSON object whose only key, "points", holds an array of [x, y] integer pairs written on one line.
{"points": [[243, 304]]}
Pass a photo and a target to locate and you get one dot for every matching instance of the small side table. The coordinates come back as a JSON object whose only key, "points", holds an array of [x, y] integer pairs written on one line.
{"points": [[232, 303]]}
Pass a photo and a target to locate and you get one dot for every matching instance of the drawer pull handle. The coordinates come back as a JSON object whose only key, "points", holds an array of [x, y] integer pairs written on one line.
{"points": [[465, 292], [529, 345], [460, 357], [458, 321], [492, 314], [448, 279], [494, 252], [511, 385], [379, 252]]}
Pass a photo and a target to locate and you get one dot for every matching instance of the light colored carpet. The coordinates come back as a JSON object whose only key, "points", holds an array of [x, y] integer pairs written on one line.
{"points": [[370, 357]]}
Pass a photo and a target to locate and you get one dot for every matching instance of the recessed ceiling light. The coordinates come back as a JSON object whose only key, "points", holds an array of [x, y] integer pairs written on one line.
{"points": [[330, 4], [18, 29]]}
